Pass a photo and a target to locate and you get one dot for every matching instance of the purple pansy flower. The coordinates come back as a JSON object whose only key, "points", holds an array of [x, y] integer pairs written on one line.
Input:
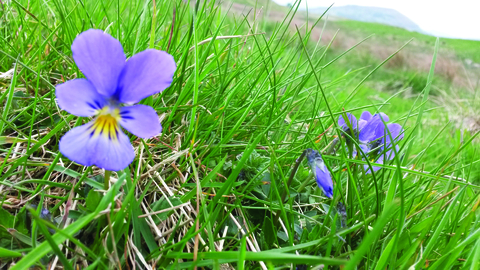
{"points": [[320, 172], [373, 137], [111, 80]]}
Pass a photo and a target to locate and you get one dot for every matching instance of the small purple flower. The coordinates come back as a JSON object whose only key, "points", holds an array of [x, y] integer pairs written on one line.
{"points": [[373, 137], [375, 140], [111, 80], [320, 172]]}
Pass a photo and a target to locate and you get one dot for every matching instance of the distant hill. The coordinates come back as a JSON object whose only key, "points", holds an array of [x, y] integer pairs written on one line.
{"points": [[371, 14], [259, 3]]}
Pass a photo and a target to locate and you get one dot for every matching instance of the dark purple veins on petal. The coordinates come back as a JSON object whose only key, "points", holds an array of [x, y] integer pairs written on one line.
{"points": [[99, 106], [125, 114], [91, 105]]}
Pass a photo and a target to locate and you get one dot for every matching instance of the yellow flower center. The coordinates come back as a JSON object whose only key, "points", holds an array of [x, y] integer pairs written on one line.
{"points": [[106, 124]]}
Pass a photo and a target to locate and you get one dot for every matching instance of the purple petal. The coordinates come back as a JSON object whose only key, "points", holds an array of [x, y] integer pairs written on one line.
{"points": [[369, 131], [364, 148], [380, 133], [84, 147], [320, 171], [114, 155], [364, 118], [366, 115], [361, 124], [324, 180], [389, 155], [375, 168], [79, 97], [140, 120], [146, 73], [396, 131], [351, 118], [75, 145], [101, 59], [383, 117]]}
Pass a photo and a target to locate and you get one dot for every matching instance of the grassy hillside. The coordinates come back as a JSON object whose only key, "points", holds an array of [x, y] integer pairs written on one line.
{"points": [[267, 4], [464, 49], [371, 14], [226, 185]]}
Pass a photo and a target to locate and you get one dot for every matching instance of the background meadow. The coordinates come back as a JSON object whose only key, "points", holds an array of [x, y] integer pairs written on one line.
{"points": [[256, 84]]}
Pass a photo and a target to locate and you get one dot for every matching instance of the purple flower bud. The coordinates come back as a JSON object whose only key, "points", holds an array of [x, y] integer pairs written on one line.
{"points": [[320, 172]]}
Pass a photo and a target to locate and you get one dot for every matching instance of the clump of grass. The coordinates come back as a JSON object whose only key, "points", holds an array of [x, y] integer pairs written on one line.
{"points": [[243, 106]]}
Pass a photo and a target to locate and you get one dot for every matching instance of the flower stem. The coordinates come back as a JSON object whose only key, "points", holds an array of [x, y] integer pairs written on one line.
{"points": [[292, 174], [106, 184]]}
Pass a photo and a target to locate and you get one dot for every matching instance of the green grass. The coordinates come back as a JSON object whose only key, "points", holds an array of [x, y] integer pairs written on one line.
{"points": [[238, 114]]}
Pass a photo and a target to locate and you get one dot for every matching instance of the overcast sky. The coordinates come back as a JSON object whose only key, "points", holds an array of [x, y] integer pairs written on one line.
{"points": [[456, 19]]}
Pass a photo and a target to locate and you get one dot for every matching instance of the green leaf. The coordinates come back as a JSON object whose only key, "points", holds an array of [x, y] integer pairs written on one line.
{"points": [[92, 200], [7, 220], [268, 231], [6, 253]]}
